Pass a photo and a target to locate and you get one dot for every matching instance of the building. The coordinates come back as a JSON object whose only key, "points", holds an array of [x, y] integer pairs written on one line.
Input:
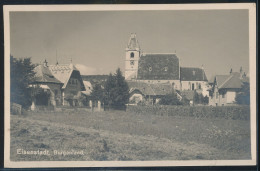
{"points": [[46, 88], [150, 93], [225, 88], [71, 91], [162, 68]]}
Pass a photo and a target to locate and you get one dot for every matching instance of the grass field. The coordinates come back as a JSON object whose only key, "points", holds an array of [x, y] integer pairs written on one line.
{"points": [[119, 135]]}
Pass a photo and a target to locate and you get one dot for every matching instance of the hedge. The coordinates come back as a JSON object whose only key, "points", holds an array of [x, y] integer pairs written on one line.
{"points": [[227, 112]]}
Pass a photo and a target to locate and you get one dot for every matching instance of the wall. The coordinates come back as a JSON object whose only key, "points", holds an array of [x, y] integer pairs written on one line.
{"points": [[187, 85], [231, 95], [131, 70], [177, 84], [56, 95]]}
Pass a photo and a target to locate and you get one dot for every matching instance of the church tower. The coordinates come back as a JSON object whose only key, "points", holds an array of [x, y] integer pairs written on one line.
{"points": [[132, 58]]}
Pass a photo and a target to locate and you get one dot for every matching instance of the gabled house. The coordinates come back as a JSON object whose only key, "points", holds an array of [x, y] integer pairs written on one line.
{"points": [[194, 79], [225, 88], [148, 93], [46, 88], [70, 76]]}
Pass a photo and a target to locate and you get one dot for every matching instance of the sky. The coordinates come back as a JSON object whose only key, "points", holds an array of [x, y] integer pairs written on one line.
{"points": [[95, 41]]}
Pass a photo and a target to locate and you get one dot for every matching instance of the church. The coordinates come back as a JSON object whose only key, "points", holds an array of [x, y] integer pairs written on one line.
{"points": [[161, 68]]}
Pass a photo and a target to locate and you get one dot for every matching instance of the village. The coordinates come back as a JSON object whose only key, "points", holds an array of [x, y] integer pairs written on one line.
{"points": [[150, 77]]}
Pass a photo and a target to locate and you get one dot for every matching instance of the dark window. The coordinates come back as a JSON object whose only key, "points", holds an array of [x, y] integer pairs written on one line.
{"points": [[192, 86], [199, 86], [132, 55], [132, 62]]}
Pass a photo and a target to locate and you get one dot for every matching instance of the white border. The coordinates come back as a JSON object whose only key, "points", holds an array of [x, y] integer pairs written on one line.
{"points": [[252, 65]]}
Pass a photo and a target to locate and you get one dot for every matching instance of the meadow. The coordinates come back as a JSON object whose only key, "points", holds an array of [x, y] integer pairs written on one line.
{"points": [[136, 134]]}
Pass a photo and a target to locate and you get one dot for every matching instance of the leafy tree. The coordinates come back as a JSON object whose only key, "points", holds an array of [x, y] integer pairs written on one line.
{"points": [[243, 97], [97, 93], [21, 75], [170, 99], [116, 91]]}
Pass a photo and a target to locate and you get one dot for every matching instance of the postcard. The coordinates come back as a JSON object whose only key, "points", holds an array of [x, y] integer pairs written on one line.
{"points": [[130, 85]]}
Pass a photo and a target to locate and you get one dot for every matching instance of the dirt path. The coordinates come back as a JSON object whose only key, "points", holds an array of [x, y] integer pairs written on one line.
{"points": [[32, 134]]}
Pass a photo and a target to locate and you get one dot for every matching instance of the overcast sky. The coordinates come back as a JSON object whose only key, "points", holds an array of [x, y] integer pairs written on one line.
{"points": [[96, 41]]}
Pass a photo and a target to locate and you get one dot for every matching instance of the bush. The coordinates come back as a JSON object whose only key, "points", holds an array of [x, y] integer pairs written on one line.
{"points": [[227, 112]]}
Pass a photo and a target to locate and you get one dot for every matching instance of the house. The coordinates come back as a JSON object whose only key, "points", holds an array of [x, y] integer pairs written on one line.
{"points": [[225, 88], [73, 84], [46, 88], [147, 92], [162, 68]]}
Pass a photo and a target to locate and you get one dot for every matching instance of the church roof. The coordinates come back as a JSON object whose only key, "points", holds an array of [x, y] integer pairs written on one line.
{"points": [[192, 74], [43, 75], [133, 43], [158, 67]]}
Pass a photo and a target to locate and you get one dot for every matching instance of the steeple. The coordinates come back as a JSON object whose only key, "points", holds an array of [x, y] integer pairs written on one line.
{"points": [[132, 53], [133, 43]]}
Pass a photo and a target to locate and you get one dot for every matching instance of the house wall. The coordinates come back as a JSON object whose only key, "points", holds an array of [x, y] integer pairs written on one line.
{"points": [[72, 92], [221, 99], [198, 85], [56, 95], [177, 84], [231, 96]]}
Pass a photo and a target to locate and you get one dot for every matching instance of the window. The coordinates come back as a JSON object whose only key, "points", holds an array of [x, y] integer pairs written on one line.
{"points": [[192, 86], [199, 86], [150, 68], [132, 62], [132, 55]]}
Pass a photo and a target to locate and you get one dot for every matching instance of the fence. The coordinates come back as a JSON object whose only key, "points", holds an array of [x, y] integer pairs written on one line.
{"points": [[227, 112]]}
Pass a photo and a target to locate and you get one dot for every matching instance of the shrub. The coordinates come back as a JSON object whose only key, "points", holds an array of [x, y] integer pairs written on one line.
{"points": [[227, 112]]}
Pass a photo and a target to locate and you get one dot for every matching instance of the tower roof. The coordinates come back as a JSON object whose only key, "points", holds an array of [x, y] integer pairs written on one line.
{"points": [[133, 43]]}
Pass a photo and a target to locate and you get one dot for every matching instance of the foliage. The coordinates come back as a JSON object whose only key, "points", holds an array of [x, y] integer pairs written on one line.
{"points": [[243, 97], [200, 99], [21, 75], [116, 91], [170, 99], [241, 112], [97, 93]]}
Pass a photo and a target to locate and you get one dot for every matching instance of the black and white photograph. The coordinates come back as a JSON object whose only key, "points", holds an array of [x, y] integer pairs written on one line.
{"points": [[130, 85]]}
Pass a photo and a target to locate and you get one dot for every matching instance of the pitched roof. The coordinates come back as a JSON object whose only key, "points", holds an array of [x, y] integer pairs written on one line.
{"points": [[158, 67], [230, 81], [150, 89], [133, 43], [88, 88], [192, 74], [188, 94], [63, 73], [43, 75]]}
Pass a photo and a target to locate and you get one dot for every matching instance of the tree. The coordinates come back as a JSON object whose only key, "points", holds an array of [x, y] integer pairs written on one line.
{"points": [[21, 75], [170, 99], [97, 94], [116, 91], [243, 97]]}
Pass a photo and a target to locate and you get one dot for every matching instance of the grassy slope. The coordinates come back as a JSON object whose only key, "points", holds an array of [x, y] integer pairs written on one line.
{"points": [[128, 136]]}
